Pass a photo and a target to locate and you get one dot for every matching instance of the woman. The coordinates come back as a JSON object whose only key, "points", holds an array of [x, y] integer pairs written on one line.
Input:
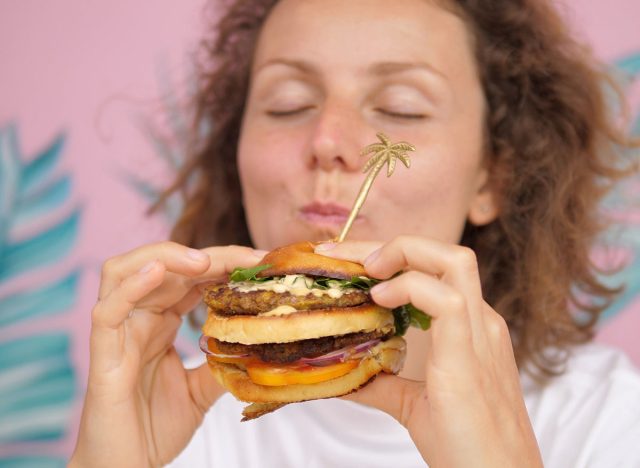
{"points": [[492, 225]]}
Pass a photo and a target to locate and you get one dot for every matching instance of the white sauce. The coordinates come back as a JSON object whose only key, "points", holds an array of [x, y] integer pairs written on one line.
{"points": [[280, 310], [297, 285]]}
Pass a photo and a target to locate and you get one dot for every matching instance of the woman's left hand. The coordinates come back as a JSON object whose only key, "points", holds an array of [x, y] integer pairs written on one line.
{"points": [[469, 411]]}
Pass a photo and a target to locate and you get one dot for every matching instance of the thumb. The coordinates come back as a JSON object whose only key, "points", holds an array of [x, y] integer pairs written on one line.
{"points": [[392, 394], [205, 389]]}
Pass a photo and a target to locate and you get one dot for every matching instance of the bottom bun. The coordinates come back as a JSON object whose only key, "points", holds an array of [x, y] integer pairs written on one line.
{"points": [[387, 356]]}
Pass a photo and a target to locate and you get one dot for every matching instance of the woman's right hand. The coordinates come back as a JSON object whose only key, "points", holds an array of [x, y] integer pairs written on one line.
{"points": [[142, 407]]}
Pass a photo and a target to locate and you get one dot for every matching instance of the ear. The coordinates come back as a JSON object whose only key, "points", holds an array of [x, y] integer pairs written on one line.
{"points": [[484, 207]]}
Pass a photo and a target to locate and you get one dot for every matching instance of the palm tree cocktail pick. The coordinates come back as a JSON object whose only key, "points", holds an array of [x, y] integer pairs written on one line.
{"points": [[384, 152]]}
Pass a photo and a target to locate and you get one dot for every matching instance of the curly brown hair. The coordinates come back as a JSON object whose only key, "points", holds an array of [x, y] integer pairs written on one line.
{"points": [[550, 144]]}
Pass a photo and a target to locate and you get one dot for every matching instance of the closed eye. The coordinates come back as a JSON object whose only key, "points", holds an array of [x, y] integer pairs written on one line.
{"points": [[401, 115], [288, 113]]}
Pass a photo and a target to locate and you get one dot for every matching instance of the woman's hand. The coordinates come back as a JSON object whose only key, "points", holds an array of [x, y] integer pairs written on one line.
{"points": [[142, 407], [469, 411]]}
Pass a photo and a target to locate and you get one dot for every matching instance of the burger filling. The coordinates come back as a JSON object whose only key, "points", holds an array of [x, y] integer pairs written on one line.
{"points": [[228, 300], [285, 353], [310, 367], [301, 362]]}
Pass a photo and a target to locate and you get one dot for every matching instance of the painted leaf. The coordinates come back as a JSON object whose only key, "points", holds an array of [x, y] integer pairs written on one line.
{"points": [[37, 378], [37, 388], [48, 199], [33, 462], [623, 203], [42, 249], [52, 298]]}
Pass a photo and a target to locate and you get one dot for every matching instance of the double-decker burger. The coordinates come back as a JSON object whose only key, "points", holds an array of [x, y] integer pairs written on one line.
{"points": [[299, 326]]}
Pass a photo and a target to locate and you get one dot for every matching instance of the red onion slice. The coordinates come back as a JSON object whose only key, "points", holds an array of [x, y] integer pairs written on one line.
{"points": [[204, 346], [341, 355]]}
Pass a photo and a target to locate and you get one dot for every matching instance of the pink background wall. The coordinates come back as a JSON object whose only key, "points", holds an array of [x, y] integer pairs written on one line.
{"points": [[93, 69]]}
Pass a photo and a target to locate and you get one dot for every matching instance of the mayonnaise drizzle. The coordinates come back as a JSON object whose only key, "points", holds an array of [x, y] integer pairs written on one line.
{"points": [[297, 285], [280, 310]]}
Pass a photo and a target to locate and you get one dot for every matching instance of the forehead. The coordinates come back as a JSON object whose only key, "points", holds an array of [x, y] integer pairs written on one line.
{"points": [[354, 33]]}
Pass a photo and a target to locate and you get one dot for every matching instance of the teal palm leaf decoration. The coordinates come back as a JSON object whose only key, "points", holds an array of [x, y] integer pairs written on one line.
{"points": [[623, 204], [38, 228]]}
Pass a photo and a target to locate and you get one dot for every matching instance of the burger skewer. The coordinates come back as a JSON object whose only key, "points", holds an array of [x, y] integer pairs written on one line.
{"points": [[384, 152]]}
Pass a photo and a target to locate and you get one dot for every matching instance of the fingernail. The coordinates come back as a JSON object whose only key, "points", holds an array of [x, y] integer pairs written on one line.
{"points": [[371, 258], [197, 255], [148, 267], [260, 253], [379, 288], [326, 247]]}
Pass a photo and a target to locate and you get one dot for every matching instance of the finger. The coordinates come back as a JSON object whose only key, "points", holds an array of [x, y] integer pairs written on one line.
{"points": [[176, 287], [109, 314], [452, 335], [453, 264], [176, 258], [355, 251], [423, 291], [406, 393], [111, 311], [225, 259], [204, 388]]}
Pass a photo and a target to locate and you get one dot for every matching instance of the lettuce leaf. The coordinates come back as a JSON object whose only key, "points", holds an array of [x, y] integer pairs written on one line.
{"points": [[409, 315], [248, 274], [404, 316], [359, 282]]}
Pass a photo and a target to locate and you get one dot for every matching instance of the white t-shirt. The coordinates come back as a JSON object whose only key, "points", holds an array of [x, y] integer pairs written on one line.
{"points": [[587, 417]]}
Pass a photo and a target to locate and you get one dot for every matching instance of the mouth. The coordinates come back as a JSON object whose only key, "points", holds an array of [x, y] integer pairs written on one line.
{"points": [[331, 214]]}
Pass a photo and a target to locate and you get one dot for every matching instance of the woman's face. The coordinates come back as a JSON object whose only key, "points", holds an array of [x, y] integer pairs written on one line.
{"points": [[329, 74]]}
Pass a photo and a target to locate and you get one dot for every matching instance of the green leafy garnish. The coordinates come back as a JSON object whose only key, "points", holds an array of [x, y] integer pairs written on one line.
{"points": [[358, 282], [248, 274], [321, 283], [361, 282], [409, 315]]}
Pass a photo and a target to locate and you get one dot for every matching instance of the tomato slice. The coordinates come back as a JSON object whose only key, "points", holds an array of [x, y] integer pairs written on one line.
{"points": [[274, 375]]}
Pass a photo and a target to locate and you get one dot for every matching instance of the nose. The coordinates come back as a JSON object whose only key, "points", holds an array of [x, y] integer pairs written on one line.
{"points": [[334, 141]]}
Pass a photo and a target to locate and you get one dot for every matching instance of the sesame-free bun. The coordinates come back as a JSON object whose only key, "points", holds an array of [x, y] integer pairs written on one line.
{"points": [[300, 259], [387, 356], [301, 325]]}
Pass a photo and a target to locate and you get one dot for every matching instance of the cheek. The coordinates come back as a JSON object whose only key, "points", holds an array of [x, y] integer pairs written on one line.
{"points": [[265, 162], [431, 198]]}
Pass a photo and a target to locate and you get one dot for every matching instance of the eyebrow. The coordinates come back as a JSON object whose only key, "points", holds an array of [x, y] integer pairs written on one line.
{"points": [[378, 69], [390, 68], [300, 65]]}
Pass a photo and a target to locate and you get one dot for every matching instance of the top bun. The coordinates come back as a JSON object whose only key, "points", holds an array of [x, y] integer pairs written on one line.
{"points": [[300, 259]]}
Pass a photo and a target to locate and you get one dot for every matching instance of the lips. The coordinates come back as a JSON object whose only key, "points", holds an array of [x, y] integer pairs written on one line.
{"points": [[325, 213]]}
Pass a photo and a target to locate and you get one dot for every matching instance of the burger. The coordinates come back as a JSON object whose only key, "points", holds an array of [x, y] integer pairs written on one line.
{"points": [[300, 326]]}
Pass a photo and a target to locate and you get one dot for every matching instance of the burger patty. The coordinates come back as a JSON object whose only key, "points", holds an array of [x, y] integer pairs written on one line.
{"points": [[227, 301], [284, 353]]}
